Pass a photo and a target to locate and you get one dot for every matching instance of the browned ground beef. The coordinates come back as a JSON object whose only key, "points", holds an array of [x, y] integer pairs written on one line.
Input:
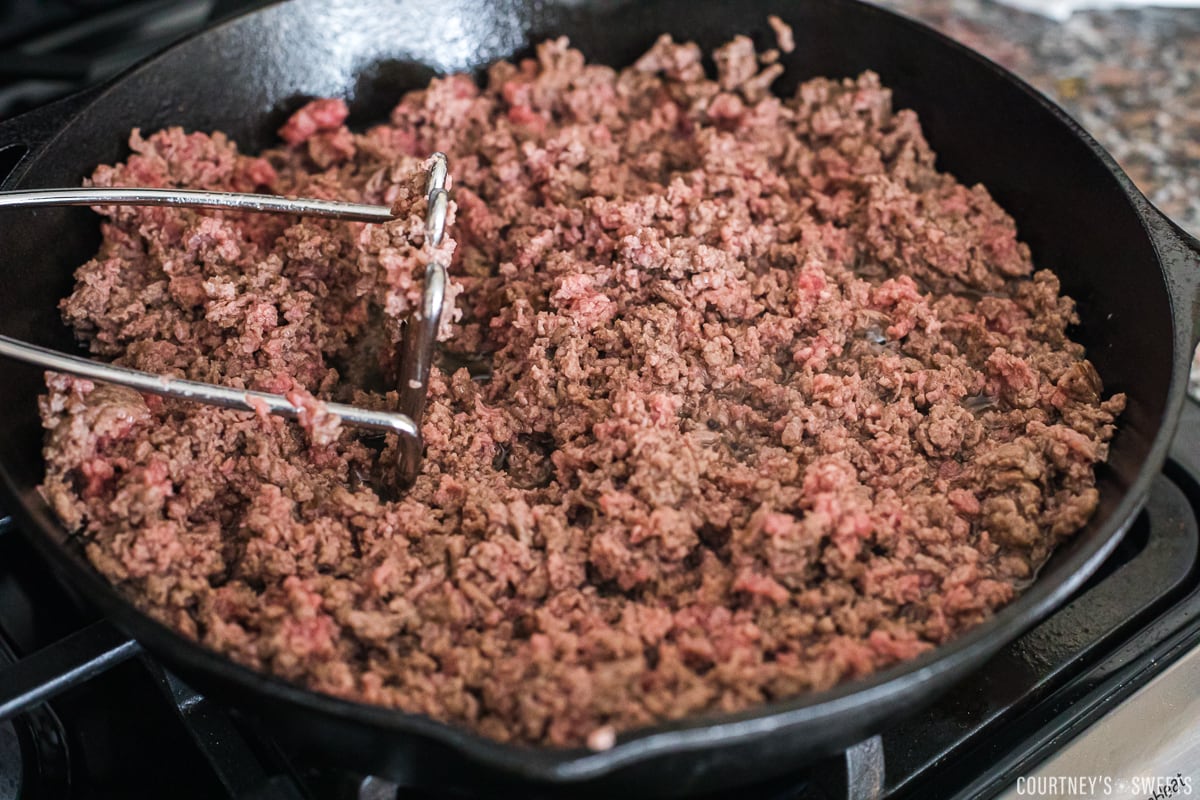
{"points": [[773, 403]]}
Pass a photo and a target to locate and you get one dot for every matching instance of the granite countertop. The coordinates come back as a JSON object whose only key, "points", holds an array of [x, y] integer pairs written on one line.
{"points": [[1131, 77]]}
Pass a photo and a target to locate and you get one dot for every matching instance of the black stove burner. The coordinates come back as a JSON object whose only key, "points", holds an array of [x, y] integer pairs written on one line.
{"points": [[33, 753]]}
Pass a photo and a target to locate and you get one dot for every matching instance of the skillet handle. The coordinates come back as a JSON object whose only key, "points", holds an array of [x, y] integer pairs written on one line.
{"points": [[25, 133], [1180, 252]]}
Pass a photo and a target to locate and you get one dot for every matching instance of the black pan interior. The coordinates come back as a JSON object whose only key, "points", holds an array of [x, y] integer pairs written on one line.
{"points": [[246, 76]]}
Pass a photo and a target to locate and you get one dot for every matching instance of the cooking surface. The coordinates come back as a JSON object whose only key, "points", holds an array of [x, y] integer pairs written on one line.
{"points": [[1131, 77], [1152, 734]]}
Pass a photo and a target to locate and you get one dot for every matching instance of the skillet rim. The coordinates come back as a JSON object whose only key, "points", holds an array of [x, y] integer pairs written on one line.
{"points": [[568, 765]]}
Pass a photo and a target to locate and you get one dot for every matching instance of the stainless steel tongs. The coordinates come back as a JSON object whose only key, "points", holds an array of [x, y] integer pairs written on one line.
{"points": [[420, 334]]}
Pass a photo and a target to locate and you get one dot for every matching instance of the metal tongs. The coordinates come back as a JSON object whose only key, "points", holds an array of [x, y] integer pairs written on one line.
{"points": [[420, 332]]}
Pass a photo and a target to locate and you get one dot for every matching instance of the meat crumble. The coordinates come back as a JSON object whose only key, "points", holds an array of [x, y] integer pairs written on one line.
{"points": [[767, 402]]}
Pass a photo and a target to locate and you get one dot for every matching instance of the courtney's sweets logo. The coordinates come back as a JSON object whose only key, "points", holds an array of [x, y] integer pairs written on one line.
{"points": [[1140, 787], [1156, 787], [1065, 786]]}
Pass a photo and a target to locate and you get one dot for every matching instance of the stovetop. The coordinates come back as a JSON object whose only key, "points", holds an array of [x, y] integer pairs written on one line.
{"points": [[84, 714]]}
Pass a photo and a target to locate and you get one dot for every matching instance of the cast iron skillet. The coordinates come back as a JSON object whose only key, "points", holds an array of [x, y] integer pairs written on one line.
{"points": [[1136, 279]]}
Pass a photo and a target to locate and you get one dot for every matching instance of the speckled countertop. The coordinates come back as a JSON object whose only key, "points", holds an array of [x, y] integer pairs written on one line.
{"points": [[1131, 77]]}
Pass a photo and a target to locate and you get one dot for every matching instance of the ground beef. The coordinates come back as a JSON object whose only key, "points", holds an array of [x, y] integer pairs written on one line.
{"points": [[772, 402]]}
